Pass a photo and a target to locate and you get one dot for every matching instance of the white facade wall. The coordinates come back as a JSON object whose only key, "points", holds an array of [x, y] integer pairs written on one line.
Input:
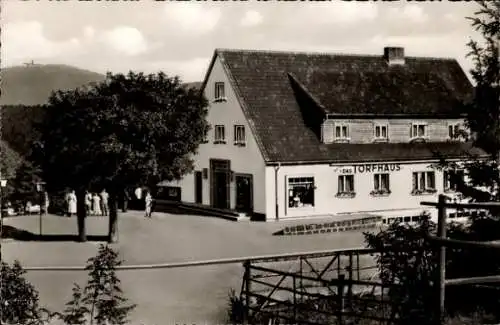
{"points": [[246, 159], [399, 203]]}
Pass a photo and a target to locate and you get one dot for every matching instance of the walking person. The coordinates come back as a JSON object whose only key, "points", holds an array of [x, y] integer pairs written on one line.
{"points": [[88, 203], [71, 203], [96, 205], [148, 200], [104, 202]]}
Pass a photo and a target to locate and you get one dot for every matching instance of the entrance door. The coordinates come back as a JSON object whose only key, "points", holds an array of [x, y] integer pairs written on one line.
{"points": [[244, 193], [198, 187], [221, 194], [220, 172]]}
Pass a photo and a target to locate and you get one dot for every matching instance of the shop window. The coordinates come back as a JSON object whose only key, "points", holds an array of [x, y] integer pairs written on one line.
{"points": [[301, 192]]}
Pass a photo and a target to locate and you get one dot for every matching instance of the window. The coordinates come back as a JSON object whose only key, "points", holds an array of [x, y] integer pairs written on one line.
{"points": [[220, 94], [301, 192], [346, 186], [341, 132], [451, 178], [239, 135], [205, 136], [220, 136], [418, 130], [423, 182], [381, 184], [381, 132], [453, 131]]}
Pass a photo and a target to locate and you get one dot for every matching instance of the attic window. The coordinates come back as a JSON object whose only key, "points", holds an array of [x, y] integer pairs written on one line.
{"points": [[418, 131], [454, 131], [381, 132], [220, 94], [341, 132]]}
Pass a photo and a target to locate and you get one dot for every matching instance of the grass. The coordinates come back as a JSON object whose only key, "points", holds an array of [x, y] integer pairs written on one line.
{"points": [[174, 296]]}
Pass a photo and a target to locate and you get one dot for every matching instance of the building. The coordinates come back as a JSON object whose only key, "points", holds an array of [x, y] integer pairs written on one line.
{"points": [[313, 134]]}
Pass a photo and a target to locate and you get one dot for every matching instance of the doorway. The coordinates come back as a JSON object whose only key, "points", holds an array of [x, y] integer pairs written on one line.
{"points": [[220, 171], [198, 187], [244, 192]]}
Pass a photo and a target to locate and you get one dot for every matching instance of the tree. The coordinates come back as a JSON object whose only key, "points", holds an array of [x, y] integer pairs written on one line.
{"points": [[24, 188], [129, 130], [101, 302], [20, 302]]}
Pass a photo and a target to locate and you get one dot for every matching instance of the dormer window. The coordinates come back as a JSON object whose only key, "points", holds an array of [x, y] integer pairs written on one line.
{"points": [[341, 132], [418, 131], [220, 92], [454, 131], [381, 133]]}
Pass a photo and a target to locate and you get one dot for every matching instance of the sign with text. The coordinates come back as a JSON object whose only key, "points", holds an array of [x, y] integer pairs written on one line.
{"points": [[369, 168]]}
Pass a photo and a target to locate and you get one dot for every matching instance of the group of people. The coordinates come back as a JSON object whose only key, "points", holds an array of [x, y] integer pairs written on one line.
{"points": [[97, 204]]}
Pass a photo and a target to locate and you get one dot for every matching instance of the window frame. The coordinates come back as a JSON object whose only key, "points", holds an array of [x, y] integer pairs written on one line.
{"points": [[453, 131], [219, 140], [417, 125], [291, 184], [381, 126], [342, 192], [341, 127], [423, 178], [380, 191], [218, 85], [447, 187], [241, 140]]}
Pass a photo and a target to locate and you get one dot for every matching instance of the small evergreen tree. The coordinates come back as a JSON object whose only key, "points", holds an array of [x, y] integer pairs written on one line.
{"points": [[103, 294]]}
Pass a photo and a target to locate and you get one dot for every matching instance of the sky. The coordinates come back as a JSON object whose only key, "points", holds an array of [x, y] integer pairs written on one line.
{"points": [[179, 38]]}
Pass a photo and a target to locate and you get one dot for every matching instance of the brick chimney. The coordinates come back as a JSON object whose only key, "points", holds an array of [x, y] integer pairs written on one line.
{"points": [[394, 55]]}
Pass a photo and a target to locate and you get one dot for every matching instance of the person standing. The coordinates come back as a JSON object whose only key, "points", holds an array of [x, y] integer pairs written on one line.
{"points": [[96, 206], [71, 203], [88, 203], [104, 202], [138, 198], [148, 200]]}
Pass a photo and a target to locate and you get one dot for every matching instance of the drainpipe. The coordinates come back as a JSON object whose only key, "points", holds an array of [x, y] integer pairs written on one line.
{"points": [[276, 169]]}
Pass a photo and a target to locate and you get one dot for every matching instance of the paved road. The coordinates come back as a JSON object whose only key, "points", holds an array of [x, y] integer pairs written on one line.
{"points": [[189, 295]]}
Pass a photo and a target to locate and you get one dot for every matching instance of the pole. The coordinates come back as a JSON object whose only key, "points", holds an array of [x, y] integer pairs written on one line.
{"points": [[440, 310], [40, 210], [340, 298]]}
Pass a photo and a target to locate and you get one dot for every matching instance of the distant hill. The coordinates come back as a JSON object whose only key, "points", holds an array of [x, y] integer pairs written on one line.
{"points": [[32, 85]]}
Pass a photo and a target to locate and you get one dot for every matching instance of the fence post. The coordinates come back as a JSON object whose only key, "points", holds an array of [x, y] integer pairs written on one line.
{"points": [[340, 297], [351, 271], [246, 276], [440, 310], [294, 278]]}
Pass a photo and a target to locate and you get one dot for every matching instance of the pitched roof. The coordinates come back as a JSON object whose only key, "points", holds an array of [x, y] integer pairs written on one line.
{"points": [[339, 84]]}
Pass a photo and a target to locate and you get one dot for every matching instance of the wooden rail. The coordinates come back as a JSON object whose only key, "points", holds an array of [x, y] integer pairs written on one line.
{"points": [[442, 242]]}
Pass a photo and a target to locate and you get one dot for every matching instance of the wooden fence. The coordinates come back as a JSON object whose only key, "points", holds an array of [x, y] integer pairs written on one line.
{"points": [[442, 242], [339, 287]]}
